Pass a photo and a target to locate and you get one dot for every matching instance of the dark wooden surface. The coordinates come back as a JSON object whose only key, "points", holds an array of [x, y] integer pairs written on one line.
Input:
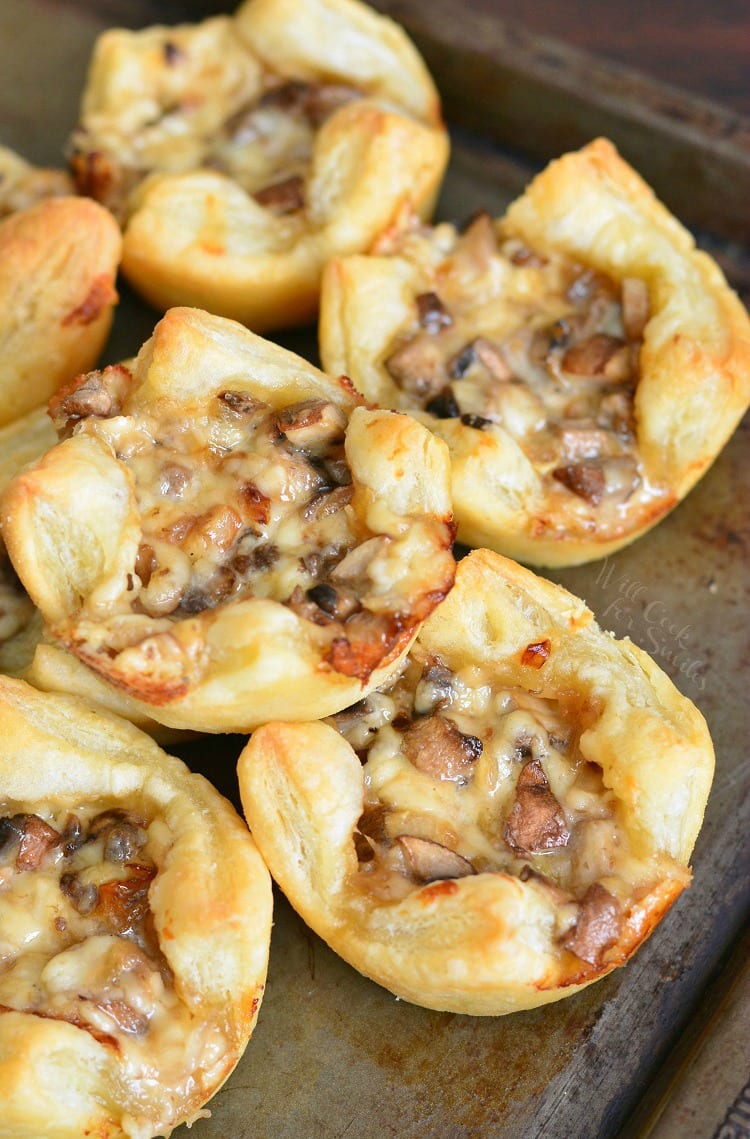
{"points": [[701, 46]]}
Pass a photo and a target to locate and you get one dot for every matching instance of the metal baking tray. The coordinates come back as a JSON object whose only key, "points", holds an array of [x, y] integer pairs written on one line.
{"points": [[333, 1055]]}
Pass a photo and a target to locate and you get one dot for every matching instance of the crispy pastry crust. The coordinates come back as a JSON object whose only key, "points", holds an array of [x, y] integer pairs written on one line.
{"points": [[23, 185], [195, 234], [694, 358], [484, 943], [211, 906], [74, 532], [58, 263]]}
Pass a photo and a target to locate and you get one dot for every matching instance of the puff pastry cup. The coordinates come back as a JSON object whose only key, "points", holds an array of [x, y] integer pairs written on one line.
{"points": [[583, 361], [268, 141], [23, 185], [226, 535], [505, 823], [21, 442], [135, 919], [58, 264]]}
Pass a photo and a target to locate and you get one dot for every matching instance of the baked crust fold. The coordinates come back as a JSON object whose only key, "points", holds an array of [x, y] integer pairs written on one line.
{"points": [[23, 185], [58, 265], [135, 916], [226, 535], [503, 825], [253, 148], [583, 361]]}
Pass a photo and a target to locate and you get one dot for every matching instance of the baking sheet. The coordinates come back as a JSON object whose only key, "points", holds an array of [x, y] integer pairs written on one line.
{"points": [[333, 1055]]}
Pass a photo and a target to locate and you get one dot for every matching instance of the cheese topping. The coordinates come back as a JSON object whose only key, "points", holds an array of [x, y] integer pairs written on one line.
{"points": [[77, 943], [240, 499], [540, 346], [464, 776]]}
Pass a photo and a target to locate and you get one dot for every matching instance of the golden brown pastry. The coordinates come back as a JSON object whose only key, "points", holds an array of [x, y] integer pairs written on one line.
{"points": [[58, 263], [504, 823], [23, 185], [226, 535], [268, 142], [23, 441], [135, 919], [583, 361]]}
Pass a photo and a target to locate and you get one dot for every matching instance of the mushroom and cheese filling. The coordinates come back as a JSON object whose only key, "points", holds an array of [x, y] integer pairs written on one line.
{"points": [[240, 500], [213, 105], [464, 776], [539, 345], [78, 943]]}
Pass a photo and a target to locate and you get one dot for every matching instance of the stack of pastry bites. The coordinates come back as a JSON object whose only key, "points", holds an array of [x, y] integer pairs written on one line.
{"points": [[475, 795]]}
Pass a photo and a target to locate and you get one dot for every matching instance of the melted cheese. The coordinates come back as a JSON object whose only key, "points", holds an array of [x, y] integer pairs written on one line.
{"points": [[468, 816], [525, 312], [102, 974], [228, 508]]}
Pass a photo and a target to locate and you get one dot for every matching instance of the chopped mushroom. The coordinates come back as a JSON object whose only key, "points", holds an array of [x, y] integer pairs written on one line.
{"points": [[438, 748], [417, 367], [83, 896], [96, 393], [241, 403], [312, 425], [492, 358], [443, 405], [433, 315], [125, 1017], [327, 502], [37, 840], [583, 479], [316, 101], [285, 197], [597, 927], [433, 688], [478, 244], [601, 356], [429, 861], [536, 821]]}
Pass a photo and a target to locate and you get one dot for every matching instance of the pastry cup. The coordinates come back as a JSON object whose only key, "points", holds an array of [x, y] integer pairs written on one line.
{"points": [[516, 838], [226, 536], [23, 441], [58, 264], [23, 185], [150, 913], [252, 149], [611, 362]]}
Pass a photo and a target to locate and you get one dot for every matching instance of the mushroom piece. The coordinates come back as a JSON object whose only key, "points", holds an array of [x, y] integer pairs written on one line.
{"points": [[438, 748], [600, 356], [37, 839], [433, 688], [417, 367], [432, 313], [429, 861], [285, 197], [96, 393], [313, 425], [598, 925], [536, 821], [583, 479]]}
